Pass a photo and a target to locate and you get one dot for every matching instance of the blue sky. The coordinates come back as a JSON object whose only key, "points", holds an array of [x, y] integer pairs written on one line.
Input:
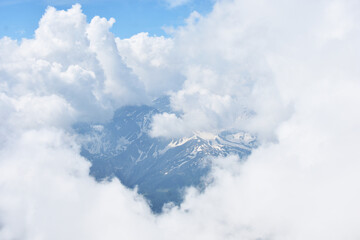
{"points": [[19, 18]]}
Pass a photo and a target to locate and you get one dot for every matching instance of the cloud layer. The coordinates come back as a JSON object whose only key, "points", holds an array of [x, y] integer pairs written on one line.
{"points": [[284, 70]]}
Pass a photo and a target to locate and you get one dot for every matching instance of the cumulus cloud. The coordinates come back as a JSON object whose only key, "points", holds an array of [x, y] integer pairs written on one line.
{"points": [[74, 60], [285, 70], [150, 58], [228, 80]]}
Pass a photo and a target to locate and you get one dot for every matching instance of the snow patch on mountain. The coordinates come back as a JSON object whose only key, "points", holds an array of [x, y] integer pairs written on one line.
{"points": [[161, 168]]}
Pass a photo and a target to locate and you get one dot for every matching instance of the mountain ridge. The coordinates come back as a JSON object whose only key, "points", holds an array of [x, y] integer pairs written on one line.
{"points": [[161, 168]]}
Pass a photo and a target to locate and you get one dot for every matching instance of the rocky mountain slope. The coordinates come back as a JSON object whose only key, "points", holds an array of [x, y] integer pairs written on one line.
{"points": [[161, 168]]}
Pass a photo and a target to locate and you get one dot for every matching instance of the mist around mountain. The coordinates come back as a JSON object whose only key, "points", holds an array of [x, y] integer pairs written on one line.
{"points": [[160, 168]]}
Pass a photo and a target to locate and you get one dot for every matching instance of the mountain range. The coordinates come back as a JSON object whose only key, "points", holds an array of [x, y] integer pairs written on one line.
{"points": [[160, 168]]}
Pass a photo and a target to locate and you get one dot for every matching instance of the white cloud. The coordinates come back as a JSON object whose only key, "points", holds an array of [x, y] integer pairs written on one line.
{"points": [[120, 83], [72, 59], [169, 124], [245, 57], [150, 59], [47, 193], [224, 60]]}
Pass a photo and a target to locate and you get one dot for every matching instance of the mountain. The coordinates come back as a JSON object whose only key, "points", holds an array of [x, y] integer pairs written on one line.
{"points": [[161, 168]]}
